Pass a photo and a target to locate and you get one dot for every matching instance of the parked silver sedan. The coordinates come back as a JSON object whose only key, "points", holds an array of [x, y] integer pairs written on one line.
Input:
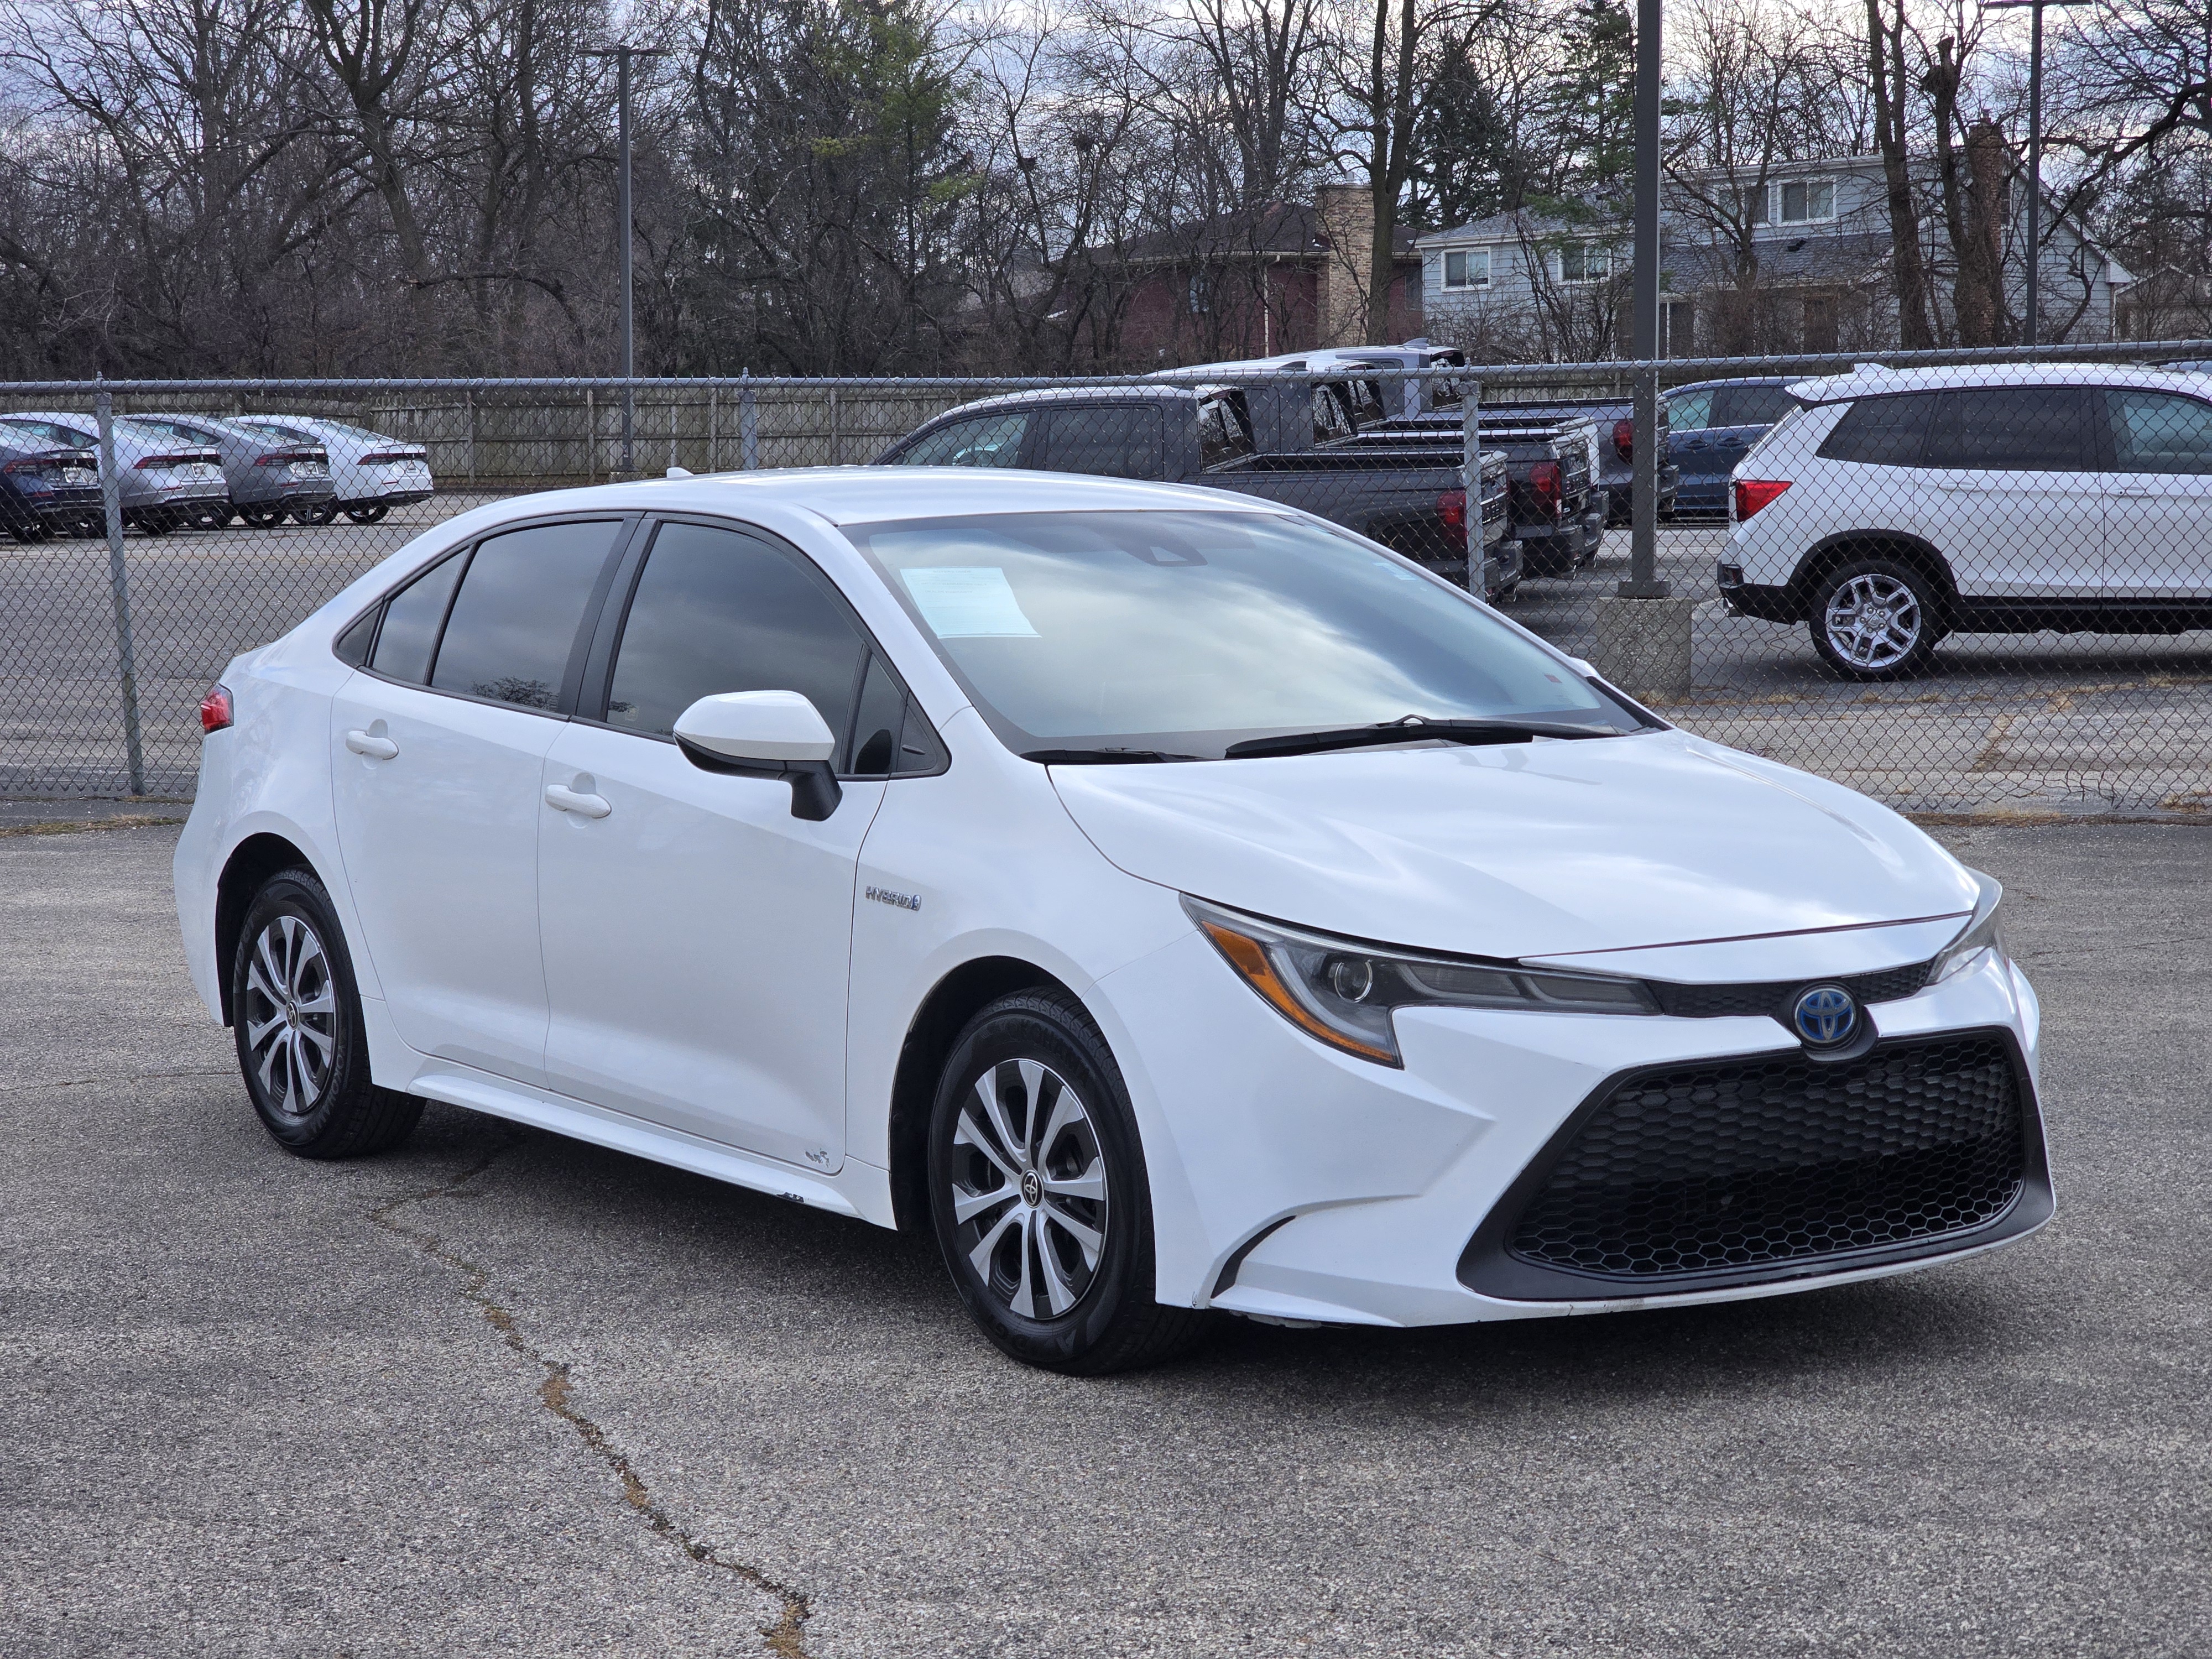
{"points": [[372, 473], [268, 477], [164, 482]]}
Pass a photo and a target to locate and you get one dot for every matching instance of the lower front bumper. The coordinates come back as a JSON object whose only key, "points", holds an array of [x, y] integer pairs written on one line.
{"points": [[1292, 1182]]}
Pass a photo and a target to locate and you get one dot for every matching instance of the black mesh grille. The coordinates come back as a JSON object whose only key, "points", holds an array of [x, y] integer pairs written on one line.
{"points": [[1701, 1169], [1714, 1001]]}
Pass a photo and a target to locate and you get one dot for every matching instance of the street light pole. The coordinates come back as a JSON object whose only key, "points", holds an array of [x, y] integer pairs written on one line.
{"points": [[2031, 320], [622, 54]]}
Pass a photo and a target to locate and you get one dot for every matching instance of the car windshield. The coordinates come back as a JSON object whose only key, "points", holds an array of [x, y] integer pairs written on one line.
{"points": [[1184, 632]]}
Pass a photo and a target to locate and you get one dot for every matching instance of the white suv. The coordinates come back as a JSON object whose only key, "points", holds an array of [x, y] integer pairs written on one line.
{"points": [[1901, 506]]}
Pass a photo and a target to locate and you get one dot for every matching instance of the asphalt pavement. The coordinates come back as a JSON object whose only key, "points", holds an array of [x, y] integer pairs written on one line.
{"points": [[501, 1392]]}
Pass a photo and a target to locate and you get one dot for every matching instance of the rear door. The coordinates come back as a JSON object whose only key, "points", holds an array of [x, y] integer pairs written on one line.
{"points": [[2017, 492], [438, 747], [2158, 514]]}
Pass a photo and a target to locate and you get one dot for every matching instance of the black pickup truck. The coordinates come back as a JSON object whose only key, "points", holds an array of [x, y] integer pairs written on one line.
{"points": [[1612, 443], [1558, 518], [1257, 440]]}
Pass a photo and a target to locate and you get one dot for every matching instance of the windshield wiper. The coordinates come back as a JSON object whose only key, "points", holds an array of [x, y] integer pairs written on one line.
{"points": [[1413, 729], [1101, 756]]}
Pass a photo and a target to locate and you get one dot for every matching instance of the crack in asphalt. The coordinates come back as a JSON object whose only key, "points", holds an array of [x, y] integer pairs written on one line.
{"points": [[788, 1636], [126, 1077]]}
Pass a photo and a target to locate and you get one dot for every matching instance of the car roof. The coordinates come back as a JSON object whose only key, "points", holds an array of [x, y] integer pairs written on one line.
{"points": [[1873, 379], [81, 422], [1741, 380], [873, 494], [1051, 395]]}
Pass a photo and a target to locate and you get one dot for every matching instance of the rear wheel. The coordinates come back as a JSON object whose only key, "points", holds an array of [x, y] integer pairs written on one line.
{"points": [[262, 518], [320, 512], [368, 514], [1876, 619], [296, 1017], [156, 522], [213, 517], [1038, 1194]]}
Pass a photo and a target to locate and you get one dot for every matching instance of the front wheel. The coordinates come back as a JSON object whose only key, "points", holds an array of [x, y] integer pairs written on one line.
{"points": [[262, 518], [295, 1016], [1876, 619], [368, 514], [1038, 1196], [320, 512]]}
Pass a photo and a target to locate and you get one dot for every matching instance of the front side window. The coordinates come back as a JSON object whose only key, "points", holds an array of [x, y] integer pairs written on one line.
{"points": [[1882, 431], [717, 611], [2159, 432], [980, 441], [1184, 632], [1469, 268], [2014, 429], [1113, 440], [513, 626]]}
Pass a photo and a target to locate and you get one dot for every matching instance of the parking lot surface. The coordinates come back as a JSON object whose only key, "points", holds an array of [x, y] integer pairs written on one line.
{"points": [[500, 1391]]}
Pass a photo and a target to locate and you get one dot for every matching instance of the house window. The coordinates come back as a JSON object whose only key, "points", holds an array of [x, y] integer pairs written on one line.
{"points": [[1202, 297], [1467, 269], [1753, 202], [1804, 200], [1585, 262]]}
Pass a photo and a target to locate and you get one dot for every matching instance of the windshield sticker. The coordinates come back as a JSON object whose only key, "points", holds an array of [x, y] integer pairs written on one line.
{"points": [[967, 602]]}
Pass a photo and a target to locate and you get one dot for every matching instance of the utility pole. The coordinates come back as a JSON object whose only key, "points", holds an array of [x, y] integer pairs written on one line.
{"points": [[622, 54], [2031, 320], [1643, 581]]}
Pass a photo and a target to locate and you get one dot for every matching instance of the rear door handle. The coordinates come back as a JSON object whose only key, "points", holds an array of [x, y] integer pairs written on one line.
{"points": [[561, 799], [375, 748]]}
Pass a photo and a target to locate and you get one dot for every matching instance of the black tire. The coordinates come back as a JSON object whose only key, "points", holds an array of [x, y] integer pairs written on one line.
{"points": [[1907, 612], [307, 1072], [216, 517], [368, 514], [1111, 1322], [320, 512], [86, 525], [262, 518], [155, 521]]}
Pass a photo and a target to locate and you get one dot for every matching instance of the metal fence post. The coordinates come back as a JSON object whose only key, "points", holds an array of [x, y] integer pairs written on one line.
{"points": [[714, 426], [748, 423], [469, 398], [1470, 426], [836, 439], [119, 588], [1643, 581]]}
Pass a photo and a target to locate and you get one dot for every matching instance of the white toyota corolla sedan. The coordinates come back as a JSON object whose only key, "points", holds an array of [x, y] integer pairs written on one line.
{"points": [[1172, 902]]}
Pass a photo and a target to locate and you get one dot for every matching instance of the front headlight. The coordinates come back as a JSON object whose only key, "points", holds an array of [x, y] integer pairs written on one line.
{"points": [[1343, 991], [1982, 933]]}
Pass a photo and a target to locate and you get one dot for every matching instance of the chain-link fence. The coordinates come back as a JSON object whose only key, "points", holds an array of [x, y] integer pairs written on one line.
{"points": [[1977, 583]]}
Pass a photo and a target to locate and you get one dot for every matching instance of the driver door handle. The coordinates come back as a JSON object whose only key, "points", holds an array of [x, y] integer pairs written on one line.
{"points": [[561, 799], [375, 748]]}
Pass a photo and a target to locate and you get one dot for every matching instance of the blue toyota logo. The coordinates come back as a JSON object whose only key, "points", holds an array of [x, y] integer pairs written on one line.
{"points": [[1826, 1015]]}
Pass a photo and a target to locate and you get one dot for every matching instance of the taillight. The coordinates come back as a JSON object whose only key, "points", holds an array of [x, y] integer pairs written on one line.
{"points": [[1623, 440], [1549, 483], [1451, 508], [215, 710], [1752, 494], [22, 468], [388, 458]]}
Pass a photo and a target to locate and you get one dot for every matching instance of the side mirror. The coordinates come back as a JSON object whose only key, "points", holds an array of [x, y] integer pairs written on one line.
{"points": [[765, 734]]}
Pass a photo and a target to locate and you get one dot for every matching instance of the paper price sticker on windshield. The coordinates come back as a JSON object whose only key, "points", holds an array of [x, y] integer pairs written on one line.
{"points": [[967, 602]]}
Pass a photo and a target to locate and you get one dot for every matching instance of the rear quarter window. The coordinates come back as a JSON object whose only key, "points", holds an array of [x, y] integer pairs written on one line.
{"points": [[1891, 431]]}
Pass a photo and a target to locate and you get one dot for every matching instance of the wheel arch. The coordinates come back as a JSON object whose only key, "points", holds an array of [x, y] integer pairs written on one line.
{"points": [[954, 1000], [248, 868], [1835, 552]]}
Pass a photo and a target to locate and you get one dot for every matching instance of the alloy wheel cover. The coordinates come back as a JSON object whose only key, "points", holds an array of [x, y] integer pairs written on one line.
{"points": [[1029, 1190]]}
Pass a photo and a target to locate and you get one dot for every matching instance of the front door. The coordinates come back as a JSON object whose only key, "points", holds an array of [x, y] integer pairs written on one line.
{"points": [[698, 936], [2158, 511], [2018, 497], [438, 746]]}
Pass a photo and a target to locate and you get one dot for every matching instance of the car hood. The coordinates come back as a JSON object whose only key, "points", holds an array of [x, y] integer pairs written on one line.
{"points": [[1545, 848]]}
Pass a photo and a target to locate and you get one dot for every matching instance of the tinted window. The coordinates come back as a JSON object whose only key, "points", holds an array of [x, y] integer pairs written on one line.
{"points": [[411, 621], [48, 432], [717, 611], [1882, 431], [2014, 429], [514, 623], [983, 441], [1690, 412], [875, 728], [2158, 432], [1223, 434], [1118, 441], [1751, 405]]}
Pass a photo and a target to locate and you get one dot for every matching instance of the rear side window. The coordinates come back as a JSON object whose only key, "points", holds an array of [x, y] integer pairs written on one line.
{"points": [[1223, 434], [1882, 431], [1751, 405], [1113, 440], [983, 441], [2159, 432], [513, 625], [1691, 411], [2015, 428], [411, 621]]}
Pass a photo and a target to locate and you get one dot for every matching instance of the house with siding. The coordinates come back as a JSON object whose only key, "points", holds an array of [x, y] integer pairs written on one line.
{"points": [[1796, 257]]}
